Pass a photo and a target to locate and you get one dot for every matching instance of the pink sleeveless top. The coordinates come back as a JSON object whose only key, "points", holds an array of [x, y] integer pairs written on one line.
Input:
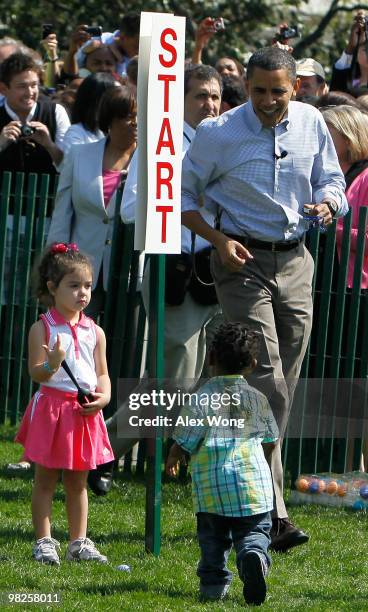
{"points": [[79, 343]]}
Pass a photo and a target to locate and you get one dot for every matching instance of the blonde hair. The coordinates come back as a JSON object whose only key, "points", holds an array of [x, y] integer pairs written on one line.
{"points": [[352, 124], [363, 102]]}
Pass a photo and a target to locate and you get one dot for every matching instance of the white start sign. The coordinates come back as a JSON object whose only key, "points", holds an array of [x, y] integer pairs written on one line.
{"points": [[160, 133]]}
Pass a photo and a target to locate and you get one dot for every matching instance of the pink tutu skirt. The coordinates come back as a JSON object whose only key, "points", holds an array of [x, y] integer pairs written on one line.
{"points": [[55, 435]]}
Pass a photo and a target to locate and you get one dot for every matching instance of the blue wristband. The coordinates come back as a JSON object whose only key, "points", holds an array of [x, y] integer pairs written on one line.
{"points": [[46, 366]]}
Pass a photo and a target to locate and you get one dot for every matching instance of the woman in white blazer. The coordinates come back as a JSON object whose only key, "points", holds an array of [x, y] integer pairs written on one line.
{"points": [[91, 174]]}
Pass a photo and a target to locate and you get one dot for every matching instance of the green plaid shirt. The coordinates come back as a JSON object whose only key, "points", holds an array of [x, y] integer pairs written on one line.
{"points": [[230, 475]]}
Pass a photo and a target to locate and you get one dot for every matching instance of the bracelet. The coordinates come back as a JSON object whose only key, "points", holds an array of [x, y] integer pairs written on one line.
{"points": [[46, 367], [52, 61]]}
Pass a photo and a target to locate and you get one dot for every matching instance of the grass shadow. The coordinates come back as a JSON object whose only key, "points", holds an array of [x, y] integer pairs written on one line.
{"points": [[7, 474], [9, 495], [134, 585], [8, 535], [133, 537]]}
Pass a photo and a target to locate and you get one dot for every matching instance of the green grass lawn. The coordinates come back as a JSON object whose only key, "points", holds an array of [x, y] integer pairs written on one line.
{"points": [[330, 573]]}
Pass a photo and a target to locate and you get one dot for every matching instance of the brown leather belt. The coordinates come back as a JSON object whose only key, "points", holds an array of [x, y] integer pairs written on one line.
{"points": [[285, 245]]}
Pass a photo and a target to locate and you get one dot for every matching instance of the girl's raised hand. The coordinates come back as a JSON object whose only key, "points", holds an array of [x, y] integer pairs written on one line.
{"points": [[55, 355]]}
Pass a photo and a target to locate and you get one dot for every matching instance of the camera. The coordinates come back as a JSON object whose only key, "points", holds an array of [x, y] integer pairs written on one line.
{"points": [[287, 33], [94, 30], [47, 29], [27, 130], [219, 24]]}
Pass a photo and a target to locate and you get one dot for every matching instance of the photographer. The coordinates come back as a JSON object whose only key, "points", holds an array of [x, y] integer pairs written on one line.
{"points": [[119, 47], [206, 29], [87, 56], [350, 72], [31, 130]]}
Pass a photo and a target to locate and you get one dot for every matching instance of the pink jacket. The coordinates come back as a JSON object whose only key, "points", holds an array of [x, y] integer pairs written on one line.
{"points": [[356, 195]]}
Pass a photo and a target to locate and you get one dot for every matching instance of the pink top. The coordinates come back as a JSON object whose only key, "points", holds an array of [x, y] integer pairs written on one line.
{"points": [[110, 180], [356, 195], [79, 343]]}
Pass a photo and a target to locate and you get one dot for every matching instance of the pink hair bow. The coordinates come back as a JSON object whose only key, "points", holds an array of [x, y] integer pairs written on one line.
{"points": [[63, 247]]}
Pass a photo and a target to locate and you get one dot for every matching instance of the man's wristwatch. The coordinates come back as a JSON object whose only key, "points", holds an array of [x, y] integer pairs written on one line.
{"points": [[332, 207]]}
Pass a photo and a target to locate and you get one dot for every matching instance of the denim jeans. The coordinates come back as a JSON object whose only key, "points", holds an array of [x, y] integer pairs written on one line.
{"points": [[216, 535]]}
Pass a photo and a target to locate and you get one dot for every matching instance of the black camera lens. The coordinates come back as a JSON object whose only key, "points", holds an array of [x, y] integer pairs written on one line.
{"points": [[27, 130]]}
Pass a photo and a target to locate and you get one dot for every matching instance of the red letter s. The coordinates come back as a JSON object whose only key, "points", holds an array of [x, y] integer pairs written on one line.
{"points": [[170, 48]]}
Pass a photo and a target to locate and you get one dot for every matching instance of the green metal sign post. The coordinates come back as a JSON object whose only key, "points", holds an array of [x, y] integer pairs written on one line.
{"points": [[156, 371]]}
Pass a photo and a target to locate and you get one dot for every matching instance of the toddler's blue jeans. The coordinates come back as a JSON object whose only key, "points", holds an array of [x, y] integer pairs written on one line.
{"points": [[216, 535]]}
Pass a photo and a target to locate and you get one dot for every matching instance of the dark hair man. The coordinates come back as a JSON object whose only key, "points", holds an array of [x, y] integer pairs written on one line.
{"points": [[263, 163], [40, 148]]}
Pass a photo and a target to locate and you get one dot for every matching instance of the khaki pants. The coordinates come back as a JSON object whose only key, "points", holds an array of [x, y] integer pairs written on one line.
{"points": [[272, 294]]}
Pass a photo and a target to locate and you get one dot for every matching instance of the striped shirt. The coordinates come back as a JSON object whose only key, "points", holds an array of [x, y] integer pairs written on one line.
{"points": [[230, 475], [260, 178]]}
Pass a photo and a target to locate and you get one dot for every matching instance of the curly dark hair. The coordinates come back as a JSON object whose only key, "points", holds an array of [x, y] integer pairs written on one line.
{"points": [[235, 346], [54, 266]]}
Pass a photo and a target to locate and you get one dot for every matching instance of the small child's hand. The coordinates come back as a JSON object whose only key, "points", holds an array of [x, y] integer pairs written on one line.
{"points": [[172, 466], [175, 457], [91, 408], [55, 355]]}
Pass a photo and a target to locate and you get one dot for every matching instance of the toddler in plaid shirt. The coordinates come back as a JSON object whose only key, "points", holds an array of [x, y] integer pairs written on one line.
{"points": [[226, 437]]}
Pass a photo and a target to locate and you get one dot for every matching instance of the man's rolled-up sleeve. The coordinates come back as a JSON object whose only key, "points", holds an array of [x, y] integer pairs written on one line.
{"points": [[198, 170]]}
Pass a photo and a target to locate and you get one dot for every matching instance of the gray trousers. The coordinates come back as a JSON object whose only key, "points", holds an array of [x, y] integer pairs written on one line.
{"points": [[272, 294], [188, 329]]}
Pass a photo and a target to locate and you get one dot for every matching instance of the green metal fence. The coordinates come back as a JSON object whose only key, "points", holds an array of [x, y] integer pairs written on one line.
{"points": [[24, 219], [337, 346], [338, 349]]}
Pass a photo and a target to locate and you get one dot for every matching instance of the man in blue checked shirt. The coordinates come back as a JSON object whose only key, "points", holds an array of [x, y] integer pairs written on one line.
{"points": [[261, 166]]}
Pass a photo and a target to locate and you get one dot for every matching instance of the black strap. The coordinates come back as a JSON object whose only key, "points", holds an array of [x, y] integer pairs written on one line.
{"points": [[194, 268], [71, 376]]}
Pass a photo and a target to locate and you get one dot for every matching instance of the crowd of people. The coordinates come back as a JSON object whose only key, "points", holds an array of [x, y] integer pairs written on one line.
{"points": [[267, 147]]}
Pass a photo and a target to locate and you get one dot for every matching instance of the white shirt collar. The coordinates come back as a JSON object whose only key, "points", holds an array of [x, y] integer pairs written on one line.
{"points": [[188, 130], [15, 117]]}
